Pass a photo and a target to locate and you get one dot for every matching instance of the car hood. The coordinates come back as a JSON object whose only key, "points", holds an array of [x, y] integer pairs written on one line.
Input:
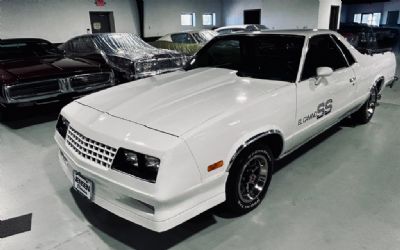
{"points": [[32, 68], [145, 53], [178, 102]]}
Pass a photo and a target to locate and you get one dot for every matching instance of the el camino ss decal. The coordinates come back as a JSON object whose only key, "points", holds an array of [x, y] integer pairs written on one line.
{"points": [[322, 110]]}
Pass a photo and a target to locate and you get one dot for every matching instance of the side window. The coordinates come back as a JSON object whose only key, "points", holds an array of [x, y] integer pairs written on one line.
{"points": [[67, 47], [74, 46], [322, 52], [223, 53], [225, 31], [349, 57], [181, 38], [82, 45]]}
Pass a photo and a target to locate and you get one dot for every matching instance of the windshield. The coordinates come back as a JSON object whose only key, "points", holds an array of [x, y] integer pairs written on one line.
{"points": [[115, 43], [261, 27], [204, 36], [11, 50], [274, 57]]}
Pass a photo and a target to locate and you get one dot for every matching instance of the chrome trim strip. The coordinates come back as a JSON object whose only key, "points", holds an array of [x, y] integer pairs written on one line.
{"points": [[64, 87], [250, 141]]}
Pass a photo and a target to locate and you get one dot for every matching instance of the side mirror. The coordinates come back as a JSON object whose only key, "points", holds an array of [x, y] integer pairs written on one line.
{"points": [[324, 71]]}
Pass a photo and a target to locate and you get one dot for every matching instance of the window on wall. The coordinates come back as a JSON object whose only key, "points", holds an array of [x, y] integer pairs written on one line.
{"points": [[357, 18], [188, 19], [209, 19], [368, 18], [376, 19]]}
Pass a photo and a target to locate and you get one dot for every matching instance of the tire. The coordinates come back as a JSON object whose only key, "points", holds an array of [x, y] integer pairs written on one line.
{"points": [[4, 114], [367, 110], [252, 168]]}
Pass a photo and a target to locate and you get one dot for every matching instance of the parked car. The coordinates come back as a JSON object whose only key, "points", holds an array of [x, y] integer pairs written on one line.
{"points": [[162, 150], [370, 39], [240, 28], [33, 72], [129, 56], [361, 36], [387, 37], [188, 42]]}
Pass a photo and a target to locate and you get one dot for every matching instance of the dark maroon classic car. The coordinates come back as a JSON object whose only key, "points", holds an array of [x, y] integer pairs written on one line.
{"points": [[34, 71]]}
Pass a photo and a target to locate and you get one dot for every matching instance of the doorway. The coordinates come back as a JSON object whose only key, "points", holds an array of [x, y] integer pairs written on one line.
{"points": [[392, 17], [252, 16], [102, 22], [334, 18]]}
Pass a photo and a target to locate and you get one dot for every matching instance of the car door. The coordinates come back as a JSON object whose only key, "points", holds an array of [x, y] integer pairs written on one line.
{"points": [[323, 100]]}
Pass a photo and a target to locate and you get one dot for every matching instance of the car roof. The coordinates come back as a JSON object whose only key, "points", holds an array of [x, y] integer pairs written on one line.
{"points": [[106, 34], [297, 32], [190, 31], [25, 40], [243, 26], [238, 26]]}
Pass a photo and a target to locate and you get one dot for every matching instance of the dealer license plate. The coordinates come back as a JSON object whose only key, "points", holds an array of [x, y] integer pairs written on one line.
{"points": [[83, 185]]}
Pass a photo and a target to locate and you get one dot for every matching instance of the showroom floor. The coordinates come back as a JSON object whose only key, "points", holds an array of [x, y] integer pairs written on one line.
{"points": [[341, 191]]}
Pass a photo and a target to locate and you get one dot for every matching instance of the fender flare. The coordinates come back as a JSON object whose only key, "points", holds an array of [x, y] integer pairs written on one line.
{"points": [[377, 80], [239, 147]]}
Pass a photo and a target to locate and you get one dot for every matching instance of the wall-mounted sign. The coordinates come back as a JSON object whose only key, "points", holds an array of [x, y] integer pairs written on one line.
{"points": [[97, 26], [100, 2]]}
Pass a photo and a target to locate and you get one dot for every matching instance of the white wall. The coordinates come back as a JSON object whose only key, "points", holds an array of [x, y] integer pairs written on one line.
{"points": [[275, 14], [324, 12], [291, 14], [232, 10], [59, 20], [163, 16]]}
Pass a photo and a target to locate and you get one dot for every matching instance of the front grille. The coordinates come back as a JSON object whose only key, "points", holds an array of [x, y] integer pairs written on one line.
{"points": [[167, 64], [89, 80], [40, 88], [89, 149]]}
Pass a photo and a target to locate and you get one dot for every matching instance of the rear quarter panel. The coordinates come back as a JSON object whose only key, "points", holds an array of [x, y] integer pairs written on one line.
{"points": [[369, 69]]}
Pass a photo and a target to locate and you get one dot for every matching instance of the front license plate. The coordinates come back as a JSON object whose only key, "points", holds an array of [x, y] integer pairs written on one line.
{"points": [[83, 185]]}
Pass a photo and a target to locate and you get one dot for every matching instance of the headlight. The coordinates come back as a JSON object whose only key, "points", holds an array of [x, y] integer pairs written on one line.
{"points": [[120, 62], [112, 77], [140, 165], [62, 126], [144, 66]]}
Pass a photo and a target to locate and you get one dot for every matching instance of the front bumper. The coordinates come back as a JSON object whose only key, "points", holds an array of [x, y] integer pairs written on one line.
{"points": [[178, 194], [52, 90]]}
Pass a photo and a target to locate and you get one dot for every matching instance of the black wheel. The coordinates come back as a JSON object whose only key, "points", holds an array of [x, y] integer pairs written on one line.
{"points": [[249, 179], [367, 110], [3, 114]]}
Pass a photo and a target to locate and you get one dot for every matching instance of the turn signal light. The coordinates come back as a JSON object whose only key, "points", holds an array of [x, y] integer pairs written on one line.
{"points": [[215, 166]]}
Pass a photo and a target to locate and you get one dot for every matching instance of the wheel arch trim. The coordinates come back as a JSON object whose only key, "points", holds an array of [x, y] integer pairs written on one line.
{"points": [[379, 80], [253, 139]]}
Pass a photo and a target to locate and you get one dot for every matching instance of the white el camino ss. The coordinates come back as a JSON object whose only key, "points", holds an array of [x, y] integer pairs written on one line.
{"points": [[161, 150]]}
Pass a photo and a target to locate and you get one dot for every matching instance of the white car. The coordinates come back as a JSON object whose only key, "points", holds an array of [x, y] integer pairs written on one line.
{"points": [[161, 150], [240, 28]]}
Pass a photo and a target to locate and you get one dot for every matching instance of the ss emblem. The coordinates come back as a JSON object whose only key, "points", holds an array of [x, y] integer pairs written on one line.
{"points": [[324, 108]]}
